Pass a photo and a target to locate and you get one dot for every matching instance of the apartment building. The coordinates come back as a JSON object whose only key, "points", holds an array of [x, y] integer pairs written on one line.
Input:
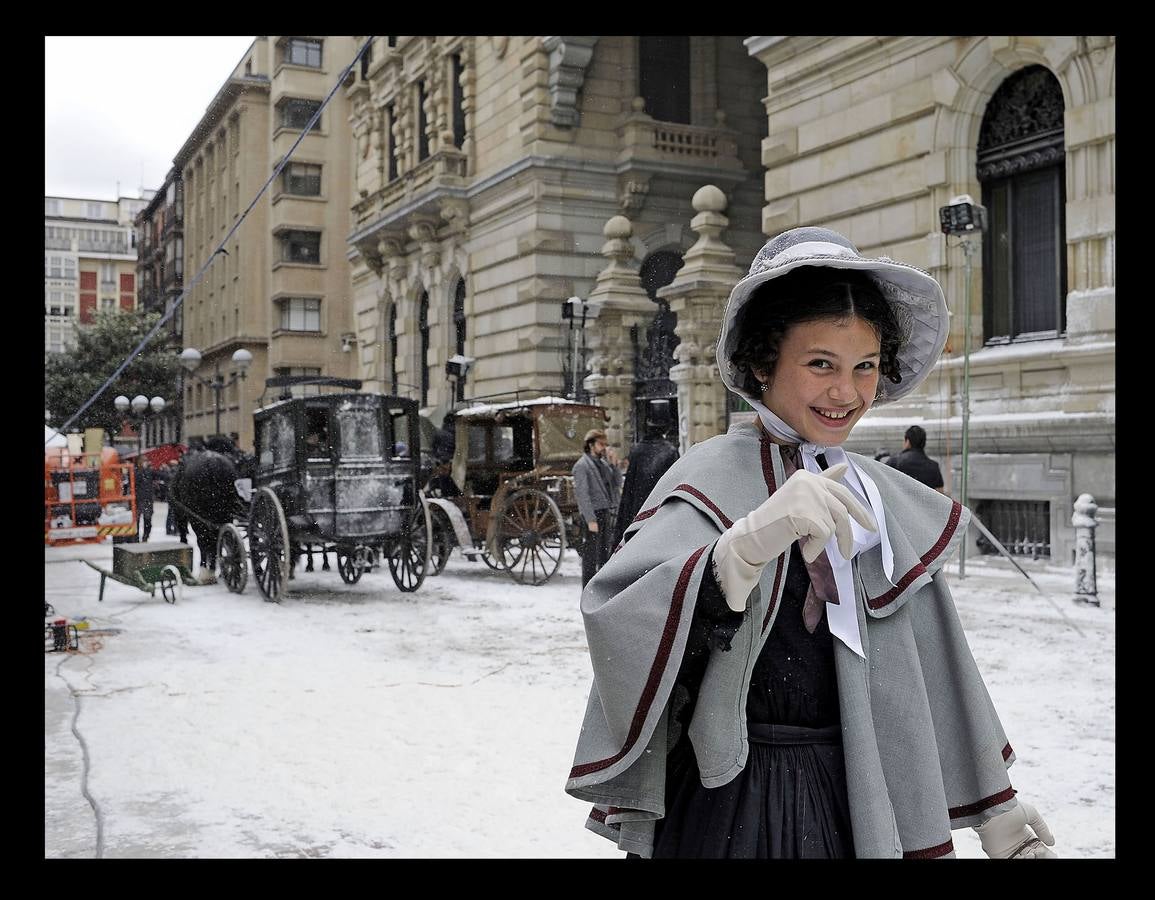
{"points": [[280, 288], [89, 262]]}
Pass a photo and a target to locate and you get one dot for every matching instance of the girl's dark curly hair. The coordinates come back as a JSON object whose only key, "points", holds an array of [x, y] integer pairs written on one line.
{"points": [[804, 295]]}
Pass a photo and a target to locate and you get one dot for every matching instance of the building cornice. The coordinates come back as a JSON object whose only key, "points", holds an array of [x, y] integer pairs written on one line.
{"points": [[214, 115]]}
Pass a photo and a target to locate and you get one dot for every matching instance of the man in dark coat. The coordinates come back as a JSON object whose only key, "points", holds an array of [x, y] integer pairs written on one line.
{"points": [[144, 495], [914, 462], [597, 485], [649, 460]]}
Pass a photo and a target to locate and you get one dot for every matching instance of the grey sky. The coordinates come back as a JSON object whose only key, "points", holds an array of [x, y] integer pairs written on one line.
{"points": [[117, 109]]}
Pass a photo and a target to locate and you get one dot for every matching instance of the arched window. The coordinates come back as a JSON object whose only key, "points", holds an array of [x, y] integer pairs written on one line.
{"points": [[1022, 171], [423, 332], [459, 329], [393, 348], [664, 76]]}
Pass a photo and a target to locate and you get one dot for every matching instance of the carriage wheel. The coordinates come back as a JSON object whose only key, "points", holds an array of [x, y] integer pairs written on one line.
{"points": [[490, 561], [531, 536], [269, 545], [231, 565], [442, 544], [348, 565], [409, 552]]}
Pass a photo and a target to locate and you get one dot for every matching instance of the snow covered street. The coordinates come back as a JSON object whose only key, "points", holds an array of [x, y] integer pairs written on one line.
{"points": [[359, 721]]}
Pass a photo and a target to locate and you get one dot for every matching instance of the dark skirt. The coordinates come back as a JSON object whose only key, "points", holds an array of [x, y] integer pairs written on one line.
{"points": [[789, 802]]}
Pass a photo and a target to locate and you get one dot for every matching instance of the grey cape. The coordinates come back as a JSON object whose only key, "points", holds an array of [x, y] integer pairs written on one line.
{"points": [[925, 751]]}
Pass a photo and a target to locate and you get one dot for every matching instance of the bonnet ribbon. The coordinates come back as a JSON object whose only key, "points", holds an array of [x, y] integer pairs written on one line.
{"points": [[842, 616]]}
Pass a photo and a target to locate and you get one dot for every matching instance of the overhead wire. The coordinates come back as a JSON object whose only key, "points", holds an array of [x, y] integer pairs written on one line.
{"points": [[220, 248]]}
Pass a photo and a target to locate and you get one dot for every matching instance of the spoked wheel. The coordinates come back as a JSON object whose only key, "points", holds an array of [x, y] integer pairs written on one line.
{"points": [[269, 545], [531, 536], [231, 565], [442, 544], [490, 561], [409, 552], [350, 564]]}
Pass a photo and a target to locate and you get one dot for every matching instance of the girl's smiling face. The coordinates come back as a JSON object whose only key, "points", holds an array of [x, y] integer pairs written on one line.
{"points": [[825, 379]]}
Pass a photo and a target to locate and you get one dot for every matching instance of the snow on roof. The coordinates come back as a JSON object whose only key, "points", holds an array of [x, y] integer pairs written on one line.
{"points": [[489, 408]]}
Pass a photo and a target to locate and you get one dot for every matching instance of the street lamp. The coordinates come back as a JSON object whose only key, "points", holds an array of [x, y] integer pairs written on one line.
{"points": [[190, 358], [139, 405], [575, 310], [965, 218]]}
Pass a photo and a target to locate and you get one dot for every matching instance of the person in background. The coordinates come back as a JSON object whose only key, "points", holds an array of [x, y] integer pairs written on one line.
{"points": [[881, 454], [145, 477], [914, 462], [597, 483], [649, 459], [170, 517]]}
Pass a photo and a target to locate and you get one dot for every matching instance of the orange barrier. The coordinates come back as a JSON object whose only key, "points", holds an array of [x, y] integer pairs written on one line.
{"points": [[85, 503]]}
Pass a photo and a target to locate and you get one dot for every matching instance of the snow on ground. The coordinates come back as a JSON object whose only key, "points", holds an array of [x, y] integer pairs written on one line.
{"points": [[359, 721]]}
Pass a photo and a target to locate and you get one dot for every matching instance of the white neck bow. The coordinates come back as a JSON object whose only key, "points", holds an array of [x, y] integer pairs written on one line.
{"points": [[842, 616]]}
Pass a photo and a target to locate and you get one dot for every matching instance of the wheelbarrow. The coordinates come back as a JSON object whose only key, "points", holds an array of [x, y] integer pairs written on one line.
{"points": [[149, 566]]}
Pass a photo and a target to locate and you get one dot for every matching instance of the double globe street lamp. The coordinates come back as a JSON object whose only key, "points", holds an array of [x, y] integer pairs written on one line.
{"points": [[190, 358]]}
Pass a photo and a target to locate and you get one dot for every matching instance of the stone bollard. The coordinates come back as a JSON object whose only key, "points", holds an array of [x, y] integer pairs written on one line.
{"points": [[1086, 591]]}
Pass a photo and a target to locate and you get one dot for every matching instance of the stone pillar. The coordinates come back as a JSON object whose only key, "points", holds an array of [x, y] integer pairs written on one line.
{"points": [[1086, 589], [698, 295], [621, 302]]}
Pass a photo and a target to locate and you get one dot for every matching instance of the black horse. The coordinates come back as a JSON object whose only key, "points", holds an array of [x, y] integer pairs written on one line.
{"points": [[203, 494]]}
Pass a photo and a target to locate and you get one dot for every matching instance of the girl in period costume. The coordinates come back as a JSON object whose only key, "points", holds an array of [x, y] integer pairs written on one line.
{"points": [[779, 669]]}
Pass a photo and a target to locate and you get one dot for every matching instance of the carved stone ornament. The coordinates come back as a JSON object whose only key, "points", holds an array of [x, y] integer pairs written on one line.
{"points": [[568, 58], [1023, 119]]}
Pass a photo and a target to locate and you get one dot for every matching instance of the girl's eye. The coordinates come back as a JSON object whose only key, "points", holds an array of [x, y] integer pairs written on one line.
{"points": [[866, 365], [821, 363]]}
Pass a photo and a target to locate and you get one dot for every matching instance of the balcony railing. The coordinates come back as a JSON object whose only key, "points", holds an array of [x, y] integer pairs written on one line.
{"points": [[445, 168], [645, 139]]}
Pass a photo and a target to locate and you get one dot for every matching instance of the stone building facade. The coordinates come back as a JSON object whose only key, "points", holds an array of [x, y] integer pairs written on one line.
{"points": [[486, 171], [281, 288], [870, 136]]}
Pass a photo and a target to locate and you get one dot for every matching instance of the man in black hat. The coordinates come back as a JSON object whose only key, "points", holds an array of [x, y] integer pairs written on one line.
{"points": [[649, 460], [914, 462]]}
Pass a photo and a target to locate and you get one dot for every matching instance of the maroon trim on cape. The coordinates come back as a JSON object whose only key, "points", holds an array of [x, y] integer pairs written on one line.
{"points": [[656, 670], [771, 487], [930, 852], [1007, 751], [957, 812], [645, 513], [694, 492], [926, 559], [598, 815]]}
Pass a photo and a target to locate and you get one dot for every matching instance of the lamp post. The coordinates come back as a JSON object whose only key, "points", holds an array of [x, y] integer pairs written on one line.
{"points": [[190, 358], [966, 218], [575, 310], [139, 405]]}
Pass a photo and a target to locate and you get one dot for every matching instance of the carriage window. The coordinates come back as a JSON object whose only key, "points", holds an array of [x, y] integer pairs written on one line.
{"points": [[477, 443], [360, 434], [401, 442], [503, 443], [317, 433], [283, 443]]}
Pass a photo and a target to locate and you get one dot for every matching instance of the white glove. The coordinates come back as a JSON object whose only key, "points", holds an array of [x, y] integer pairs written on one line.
{"points": [[808, 508], [1007, 836]]}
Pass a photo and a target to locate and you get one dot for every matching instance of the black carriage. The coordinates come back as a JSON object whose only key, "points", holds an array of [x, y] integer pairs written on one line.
{"points": [[336, 472]]}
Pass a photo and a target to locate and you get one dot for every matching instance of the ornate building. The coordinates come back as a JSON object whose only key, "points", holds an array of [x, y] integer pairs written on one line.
{"points": [[486, 171], [870, 136]]}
